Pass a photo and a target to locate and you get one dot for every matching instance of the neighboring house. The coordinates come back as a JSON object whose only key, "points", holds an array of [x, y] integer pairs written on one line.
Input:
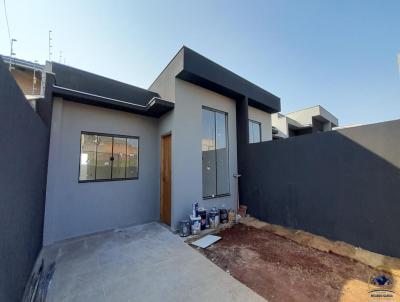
{"points": [[305, 121], [347, 126], [28, 75], [121, 155]]}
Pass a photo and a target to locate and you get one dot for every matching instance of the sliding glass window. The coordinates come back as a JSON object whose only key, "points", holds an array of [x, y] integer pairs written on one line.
{"points": [[215, 153], [108, 157], [254, 132], [119, 156], [103, 157], [132, 168]]}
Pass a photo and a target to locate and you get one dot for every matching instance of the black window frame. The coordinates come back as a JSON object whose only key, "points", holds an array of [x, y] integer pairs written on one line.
{"points": [[259, 125], [228, 147], [112, 152]]}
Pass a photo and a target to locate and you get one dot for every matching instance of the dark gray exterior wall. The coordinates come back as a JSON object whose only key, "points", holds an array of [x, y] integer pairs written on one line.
{"points": [[24, 145], [343, 185], [203, 72], [242, 132]]}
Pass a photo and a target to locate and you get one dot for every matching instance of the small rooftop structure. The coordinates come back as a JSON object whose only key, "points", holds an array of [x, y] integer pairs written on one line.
{"points": [[319, 113], [22, 63], [27, 74]]}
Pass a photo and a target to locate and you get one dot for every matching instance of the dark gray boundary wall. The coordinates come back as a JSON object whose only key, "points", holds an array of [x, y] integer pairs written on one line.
{"points": [[344, 185], [23, 162]]}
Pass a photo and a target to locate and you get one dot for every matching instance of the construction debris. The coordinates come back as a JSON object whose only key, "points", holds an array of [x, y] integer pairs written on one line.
{"points": [[206, 241], [39, 283]]}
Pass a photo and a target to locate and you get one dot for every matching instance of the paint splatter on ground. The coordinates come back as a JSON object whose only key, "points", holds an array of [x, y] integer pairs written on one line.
{"points": [[282, 270]]}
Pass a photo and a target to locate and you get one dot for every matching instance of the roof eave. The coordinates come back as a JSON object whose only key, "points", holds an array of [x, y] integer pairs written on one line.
{"points": [[205, 73], [155, 108]]}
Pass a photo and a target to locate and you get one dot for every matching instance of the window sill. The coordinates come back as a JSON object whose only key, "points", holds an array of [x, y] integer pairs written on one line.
{"points": [[217, 196], [107, 180]]}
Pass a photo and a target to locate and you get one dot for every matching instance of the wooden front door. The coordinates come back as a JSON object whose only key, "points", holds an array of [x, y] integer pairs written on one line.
{"points": [[165, 206]]}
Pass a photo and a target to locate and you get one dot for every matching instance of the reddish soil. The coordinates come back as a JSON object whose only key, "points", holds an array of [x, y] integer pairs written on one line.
{"points": [[281, 270]]}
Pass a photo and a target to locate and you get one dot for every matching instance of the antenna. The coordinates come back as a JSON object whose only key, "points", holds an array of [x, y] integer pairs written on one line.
{"points": [[34, 79], [59, 59], [50, 46], [12, 53]]}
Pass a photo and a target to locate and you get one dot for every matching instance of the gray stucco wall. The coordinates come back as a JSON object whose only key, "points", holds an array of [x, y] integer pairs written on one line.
{"points": [[164, 84], [24, 145], [343, 185], [73, 208], [186, 149]]}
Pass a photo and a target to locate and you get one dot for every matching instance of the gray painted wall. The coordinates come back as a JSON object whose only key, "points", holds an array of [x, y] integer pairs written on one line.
{"points": [[164, 84], [24, 145], [343, 185], [186, 148], [73, 208], [185, 124]]}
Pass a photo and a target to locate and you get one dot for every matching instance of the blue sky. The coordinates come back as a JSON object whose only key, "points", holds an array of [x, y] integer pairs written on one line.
{"points": [[340, 54]]}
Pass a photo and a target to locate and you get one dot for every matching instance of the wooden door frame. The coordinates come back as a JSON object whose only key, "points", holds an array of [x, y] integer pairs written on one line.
{"points": [[163, 136]]}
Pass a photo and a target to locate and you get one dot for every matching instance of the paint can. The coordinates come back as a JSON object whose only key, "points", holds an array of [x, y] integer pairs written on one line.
{"points": [[223, 215], [213, 218], [203, 218], [231, 216], [184, 228], [195, 224]]}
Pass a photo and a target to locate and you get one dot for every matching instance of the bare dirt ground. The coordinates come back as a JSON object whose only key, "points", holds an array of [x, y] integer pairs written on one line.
{"points": [[282, 270]]}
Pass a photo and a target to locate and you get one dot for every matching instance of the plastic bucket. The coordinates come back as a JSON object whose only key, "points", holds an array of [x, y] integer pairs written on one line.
{"points": [[195, 225], [184, 228]]}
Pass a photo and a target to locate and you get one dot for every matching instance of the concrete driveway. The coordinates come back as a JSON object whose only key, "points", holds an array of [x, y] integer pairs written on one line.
{"points": [[142, 263]]}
